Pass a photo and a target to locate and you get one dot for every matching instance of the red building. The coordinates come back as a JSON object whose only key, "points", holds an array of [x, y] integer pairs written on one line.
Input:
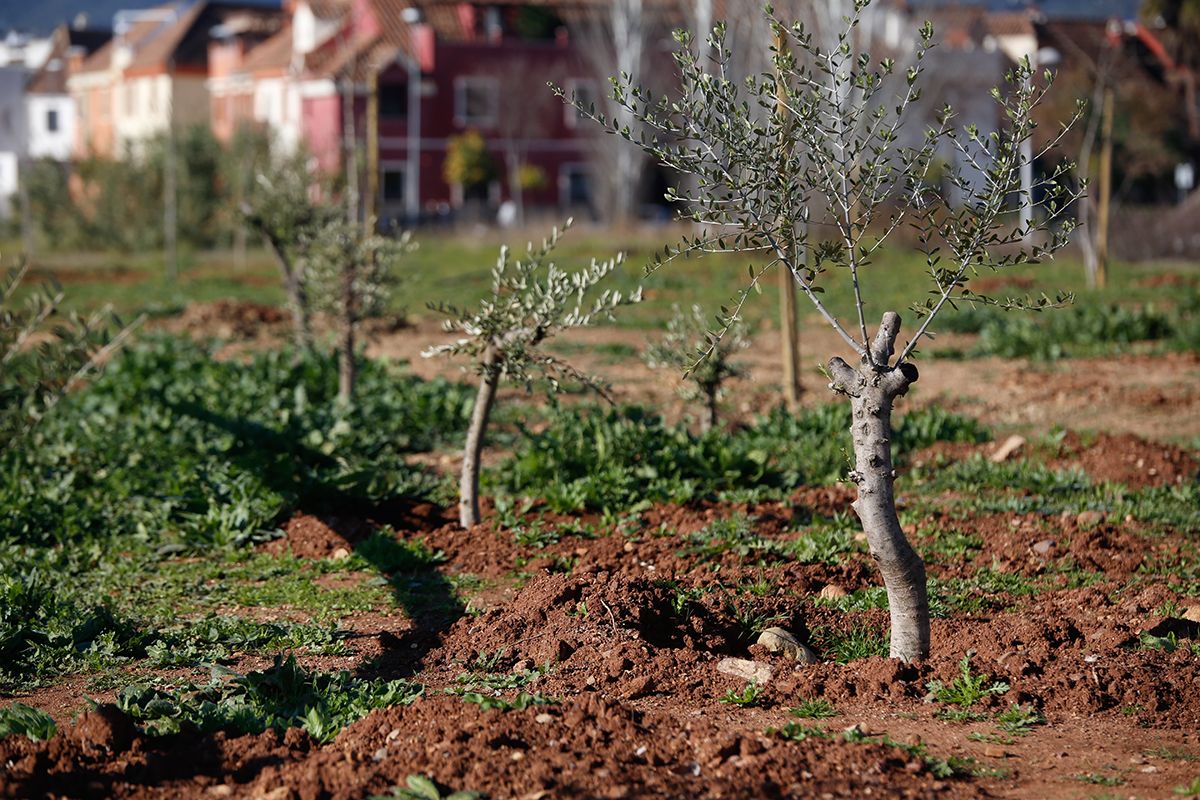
{"points": [[434, 70]]}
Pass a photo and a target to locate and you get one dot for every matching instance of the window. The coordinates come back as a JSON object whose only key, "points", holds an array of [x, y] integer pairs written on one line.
{"points": [[393, 100], [393, 185], [475, 101], [582, 92], [52, 120], [575, 184]]}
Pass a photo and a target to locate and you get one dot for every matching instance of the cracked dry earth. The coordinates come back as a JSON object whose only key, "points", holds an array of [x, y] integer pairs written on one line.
{"points": [[624, 629]]}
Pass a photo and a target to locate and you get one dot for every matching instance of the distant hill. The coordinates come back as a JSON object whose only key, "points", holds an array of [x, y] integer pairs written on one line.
{"points": [[43, 16]]}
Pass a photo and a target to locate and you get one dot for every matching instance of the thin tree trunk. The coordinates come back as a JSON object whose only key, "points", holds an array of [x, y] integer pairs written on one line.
{"points": [[873, 388], [293, 287], [346, 367], [468, 497], [709, 420]]}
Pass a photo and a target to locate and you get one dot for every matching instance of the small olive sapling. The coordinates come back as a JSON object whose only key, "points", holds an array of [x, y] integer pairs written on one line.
{"points": [[531, 300], [707, 362]]}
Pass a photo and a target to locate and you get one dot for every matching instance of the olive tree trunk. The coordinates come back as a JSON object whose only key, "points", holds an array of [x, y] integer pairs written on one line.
{"points": [[872, 389], [468, 488]]}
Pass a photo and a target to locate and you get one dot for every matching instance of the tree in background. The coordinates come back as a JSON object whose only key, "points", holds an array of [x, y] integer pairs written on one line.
{"points": [[351, 274], [281, 208], [824, 170], [707, 363], [532, 299], [468, 167]]}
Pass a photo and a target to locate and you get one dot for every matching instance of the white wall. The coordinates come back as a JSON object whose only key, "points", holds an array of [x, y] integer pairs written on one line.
{"points": [[8, 183], [43, 142]]}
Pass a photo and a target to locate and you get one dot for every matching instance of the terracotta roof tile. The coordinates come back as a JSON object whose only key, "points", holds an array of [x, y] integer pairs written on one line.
{"points": [[272, 55]]}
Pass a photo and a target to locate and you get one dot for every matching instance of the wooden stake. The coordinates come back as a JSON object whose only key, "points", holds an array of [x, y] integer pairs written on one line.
{"points": [[789, 329], [1104, 189]]}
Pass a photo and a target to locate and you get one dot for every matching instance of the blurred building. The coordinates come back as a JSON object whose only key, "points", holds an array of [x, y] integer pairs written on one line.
{"points": [[20, 55], [152, 75]]}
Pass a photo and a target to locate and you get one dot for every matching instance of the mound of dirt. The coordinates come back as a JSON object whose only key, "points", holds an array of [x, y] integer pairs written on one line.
{"points": [[1130, 460], [228, 319]]}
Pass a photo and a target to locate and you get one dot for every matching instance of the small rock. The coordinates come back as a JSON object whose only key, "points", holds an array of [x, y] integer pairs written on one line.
{"points": [[1089, 519], [1149, 769], [1192, 613], [640, 687], [832, 592], [340, 554], [994, 751], [1044, 546], [628, 548], [783, 641], [392, 735], [746, 670], [1011, 445], [220, 790], [379, 755], [543, 718]]}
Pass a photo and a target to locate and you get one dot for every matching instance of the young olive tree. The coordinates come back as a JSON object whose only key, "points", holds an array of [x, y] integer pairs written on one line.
{"points": [[280, 208], [41, 362], [810, 162], [532, 299], [352, 273], [704, 380]]}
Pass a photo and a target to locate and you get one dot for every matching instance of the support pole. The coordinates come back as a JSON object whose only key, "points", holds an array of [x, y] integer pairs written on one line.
{"points": [[789, 329], [1104, 189]]}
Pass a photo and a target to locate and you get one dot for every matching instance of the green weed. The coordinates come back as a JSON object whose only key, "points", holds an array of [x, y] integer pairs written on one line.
{"points": [[745, 698], [283, 696], [419, 787], [817, 708], [964, 691], [34, 723]]}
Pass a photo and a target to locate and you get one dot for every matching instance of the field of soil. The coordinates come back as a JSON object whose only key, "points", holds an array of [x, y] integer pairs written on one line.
{"points": [[619, 657]]}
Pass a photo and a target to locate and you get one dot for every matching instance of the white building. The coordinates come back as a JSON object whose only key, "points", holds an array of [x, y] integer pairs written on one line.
{"points": [[50, 109], [19, 57]]}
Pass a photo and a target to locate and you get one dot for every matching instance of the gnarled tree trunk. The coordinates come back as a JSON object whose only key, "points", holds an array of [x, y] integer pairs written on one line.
{"points": [[872, 389], [468, 487]]}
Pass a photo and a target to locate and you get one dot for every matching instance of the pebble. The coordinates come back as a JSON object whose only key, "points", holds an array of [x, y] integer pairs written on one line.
{"points": [[832, 592], [392, 735], [783, 641], [543, 718], [992, 751], [746, 670], [1011, 445], [1192, 613], [380, 754], [340, 553], [1044, 546], [1089, 519]]}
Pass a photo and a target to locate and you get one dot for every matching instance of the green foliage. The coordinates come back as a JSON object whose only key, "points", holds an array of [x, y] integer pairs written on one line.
{"points": [[816, 708], [34, 723], [730, 535], [965, 690], [1019, 719], [1189, 789], [708, 365], [522, 701], [173, 445], [532, 299], [1074, 332], [618, 459], [746, 698], [43, 633], [419, 787], [843, 646], [339, 251], [282, 696], [798, 732], [117, 203], [40, 362], [818, 142]]}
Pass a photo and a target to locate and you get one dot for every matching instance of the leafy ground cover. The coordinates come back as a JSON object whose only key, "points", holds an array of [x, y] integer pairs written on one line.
{"points": [[261, 591]]}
